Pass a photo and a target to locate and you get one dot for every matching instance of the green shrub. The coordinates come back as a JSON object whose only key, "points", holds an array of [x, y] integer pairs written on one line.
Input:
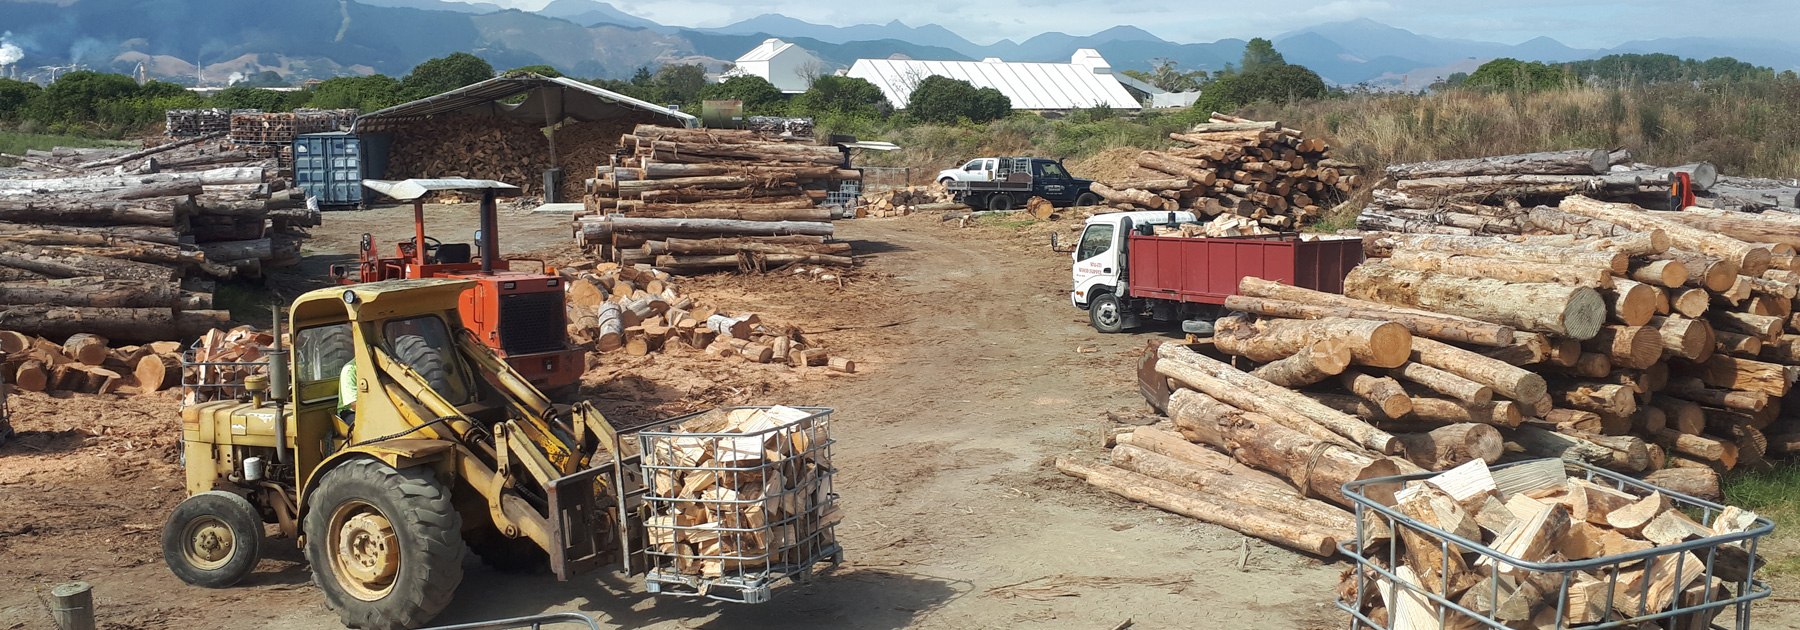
{"points": [[842, 96], [760, 97], [944, 100]]}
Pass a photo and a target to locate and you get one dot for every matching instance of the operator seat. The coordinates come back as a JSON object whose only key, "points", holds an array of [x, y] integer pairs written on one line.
{"points": [[453, 253]]}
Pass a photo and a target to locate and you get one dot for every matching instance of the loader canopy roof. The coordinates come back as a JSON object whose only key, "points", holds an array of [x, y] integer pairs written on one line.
{"points": [[410, 189], [377, 300]]}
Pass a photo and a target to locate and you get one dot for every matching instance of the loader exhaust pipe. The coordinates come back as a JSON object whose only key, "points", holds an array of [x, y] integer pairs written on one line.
{"points": [[278, 389], [490, 233]]}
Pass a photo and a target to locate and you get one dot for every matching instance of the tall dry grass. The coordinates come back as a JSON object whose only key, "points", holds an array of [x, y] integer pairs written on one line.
{"points": [[1748, 128]]}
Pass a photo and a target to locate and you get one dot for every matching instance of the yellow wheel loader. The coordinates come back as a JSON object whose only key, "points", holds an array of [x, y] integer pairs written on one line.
{"points": [[444, 449]]}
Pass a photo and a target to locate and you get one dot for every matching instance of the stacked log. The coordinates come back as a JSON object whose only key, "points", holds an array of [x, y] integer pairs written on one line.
{"points": [[128, 245], [755, 196], [86, 363], [1260, 172], [640, 310], [900, 202]]}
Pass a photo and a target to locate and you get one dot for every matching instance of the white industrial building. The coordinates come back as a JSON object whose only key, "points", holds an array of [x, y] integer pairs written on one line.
{"points": [[788, 67], [1086, 81]]}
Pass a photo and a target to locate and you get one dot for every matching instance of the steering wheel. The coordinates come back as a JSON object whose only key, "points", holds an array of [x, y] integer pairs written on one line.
{"points": [[410, 246]]}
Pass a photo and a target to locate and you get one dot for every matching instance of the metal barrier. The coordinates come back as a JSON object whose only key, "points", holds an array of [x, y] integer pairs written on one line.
{"points": [[886, 177]]}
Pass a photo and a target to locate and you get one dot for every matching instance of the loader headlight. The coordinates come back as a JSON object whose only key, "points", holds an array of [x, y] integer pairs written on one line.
{"points": [[350, 296]]}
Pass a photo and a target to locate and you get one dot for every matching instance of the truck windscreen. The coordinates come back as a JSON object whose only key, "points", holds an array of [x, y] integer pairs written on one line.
{"points": [[1052, 171]]}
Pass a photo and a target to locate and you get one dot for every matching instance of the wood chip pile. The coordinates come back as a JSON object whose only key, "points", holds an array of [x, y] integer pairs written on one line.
{"points": [[736, 504], [1255, 170], [1519, 194], [753, 197], [640, 310], [85, 364], [129, 245]]}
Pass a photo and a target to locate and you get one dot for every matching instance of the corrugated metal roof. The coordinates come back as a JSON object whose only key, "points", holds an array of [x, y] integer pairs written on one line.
{"points": [[589, 102], [1029, 85], [765, 51]]}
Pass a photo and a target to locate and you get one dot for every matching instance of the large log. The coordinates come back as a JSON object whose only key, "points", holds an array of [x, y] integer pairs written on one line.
{"points": [[1751, 259], [62, 264], [1315, 362], [1317, 469], [1373, 343], [1709, 272], [1215, 509], [121, 159], [1500, 269], [1450, 446], [90, 291], [135, 186], [1486, 188], [1633, 347], [1282, 300], [1726, 372], [1214, 478], [1383, 392], [259, 249], [1507, 380], [1536, 442], [1575, 312], [1177, 166], [38, 210], [709, 181], [1630, 302], [111, 236], [1135, 197], [1662, 273], [1445, 383], [129, 325], [1766, 227], [1615, 262], [1280, 403], [698, 195], [752, 213], [771, 244], [656, 170], [1571, 162], [709, 227]]}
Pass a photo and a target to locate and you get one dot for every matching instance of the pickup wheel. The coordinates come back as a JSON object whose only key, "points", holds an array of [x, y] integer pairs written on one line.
{"points": [[1087, 199], [1106, 314], [999, 201]]}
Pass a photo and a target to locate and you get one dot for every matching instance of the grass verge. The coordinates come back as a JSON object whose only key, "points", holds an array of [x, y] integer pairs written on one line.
{"points": [[1775, 494], [17, 143]]}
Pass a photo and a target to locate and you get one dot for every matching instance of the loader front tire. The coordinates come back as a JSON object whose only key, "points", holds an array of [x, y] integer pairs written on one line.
{"points": [[212, 538], [385, 545]]}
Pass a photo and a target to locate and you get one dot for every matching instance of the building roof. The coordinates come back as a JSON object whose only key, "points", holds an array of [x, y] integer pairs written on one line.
{"points": [[546, 98], [1086, 81], [765, 51]]}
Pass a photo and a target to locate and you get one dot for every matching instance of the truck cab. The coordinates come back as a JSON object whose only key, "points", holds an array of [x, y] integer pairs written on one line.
{"points": [[976, 170], [1017, 179], [1100, 252]]}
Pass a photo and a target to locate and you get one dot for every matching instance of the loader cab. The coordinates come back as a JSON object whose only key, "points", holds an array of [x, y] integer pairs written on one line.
{"points": [[1099, 255]]}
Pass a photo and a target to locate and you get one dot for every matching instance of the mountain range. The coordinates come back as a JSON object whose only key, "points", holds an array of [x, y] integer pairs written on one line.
{"points": [[185, 40]]}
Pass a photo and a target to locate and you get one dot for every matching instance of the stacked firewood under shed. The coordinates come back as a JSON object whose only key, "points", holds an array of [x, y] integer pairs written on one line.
{"points": [[640, 310], [95, 247], [1256, 171], [1490, 195], [701, 200], [1664, 352]]}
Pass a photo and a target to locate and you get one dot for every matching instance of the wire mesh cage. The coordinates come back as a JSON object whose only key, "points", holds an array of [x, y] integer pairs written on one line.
{"points": [[739, 500], [215, 365], [1411, 574]]}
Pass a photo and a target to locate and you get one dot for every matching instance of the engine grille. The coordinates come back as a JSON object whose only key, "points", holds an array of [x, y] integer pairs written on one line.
{"points": [[531, 322]]}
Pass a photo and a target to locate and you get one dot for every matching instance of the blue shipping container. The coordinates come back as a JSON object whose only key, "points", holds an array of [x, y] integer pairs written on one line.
{"points": [[329, 167]]}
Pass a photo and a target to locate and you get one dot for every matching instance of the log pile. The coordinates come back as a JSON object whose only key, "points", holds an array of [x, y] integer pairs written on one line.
{"points": [[1537, 513], [753, 198], [128, 245], [87, 364], [640, 310], [1518, 194], [1259, 171], [900, 202], [726, 505]]}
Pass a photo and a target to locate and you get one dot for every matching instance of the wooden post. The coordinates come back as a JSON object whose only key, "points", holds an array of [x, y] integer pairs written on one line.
{"points": [[73, 606]]}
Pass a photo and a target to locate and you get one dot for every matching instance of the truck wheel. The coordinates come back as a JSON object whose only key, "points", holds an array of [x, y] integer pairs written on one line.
{"points": [[211, 539], [1106, 314], [385, 545], [999, 202], [424, 359], [1087, 199]]}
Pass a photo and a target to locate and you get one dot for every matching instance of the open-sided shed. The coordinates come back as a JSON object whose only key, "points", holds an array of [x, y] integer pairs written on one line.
{"points": [[558, 132]]}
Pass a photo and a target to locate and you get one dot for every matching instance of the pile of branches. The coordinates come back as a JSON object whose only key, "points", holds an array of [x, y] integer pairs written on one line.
{"points": [[755, 197]]}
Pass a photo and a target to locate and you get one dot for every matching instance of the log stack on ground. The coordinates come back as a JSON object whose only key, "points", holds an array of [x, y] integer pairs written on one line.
{"points": [[757, 195], [1270, 178], [86, 363], [640, 310], [899, 202], [129, 244]]}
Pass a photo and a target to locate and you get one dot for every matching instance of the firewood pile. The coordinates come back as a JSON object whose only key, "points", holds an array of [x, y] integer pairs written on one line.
{"points": [[900, 202], [280, 128], [502, 149], [219, 362], [189, 123], [1256, 170], [1518, 194], [1621, 552], [640, 310], [741, 492], [751, 198], [128, 246], [87, 364]]}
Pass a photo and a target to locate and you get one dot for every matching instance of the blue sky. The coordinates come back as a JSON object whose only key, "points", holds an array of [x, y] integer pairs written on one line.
{"points": [[1578, 23]]}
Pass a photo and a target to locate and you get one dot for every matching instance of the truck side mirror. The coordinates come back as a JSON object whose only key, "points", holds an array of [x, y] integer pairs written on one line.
{"points": [[1056, 245]]}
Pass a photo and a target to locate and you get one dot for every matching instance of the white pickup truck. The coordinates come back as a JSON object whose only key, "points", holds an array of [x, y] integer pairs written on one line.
{"points": [[977, 170]]}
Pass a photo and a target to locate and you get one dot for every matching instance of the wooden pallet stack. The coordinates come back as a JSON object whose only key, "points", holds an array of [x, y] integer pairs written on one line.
{"points": [[1518, 194], [753, 197], [85, 364], [280, 128], [1256, 170], [93, 243], [640, 310], [190, 123]]}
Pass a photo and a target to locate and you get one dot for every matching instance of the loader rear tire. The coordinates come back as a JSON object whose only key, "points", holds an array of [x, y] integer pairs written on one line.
{"points": [[426, 360], [385, 545], [212, 539]]}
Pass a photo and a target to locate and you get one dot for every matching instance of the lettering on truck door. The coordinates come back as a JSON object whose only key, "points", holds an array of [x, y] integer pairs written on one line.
{"points": [[1055, 182], [1096, 261]]}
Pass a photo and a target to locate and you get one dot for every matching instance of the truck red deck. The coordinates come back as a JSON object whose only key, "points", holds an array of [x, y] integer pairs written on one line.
{"points": [[1207, 270]]}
